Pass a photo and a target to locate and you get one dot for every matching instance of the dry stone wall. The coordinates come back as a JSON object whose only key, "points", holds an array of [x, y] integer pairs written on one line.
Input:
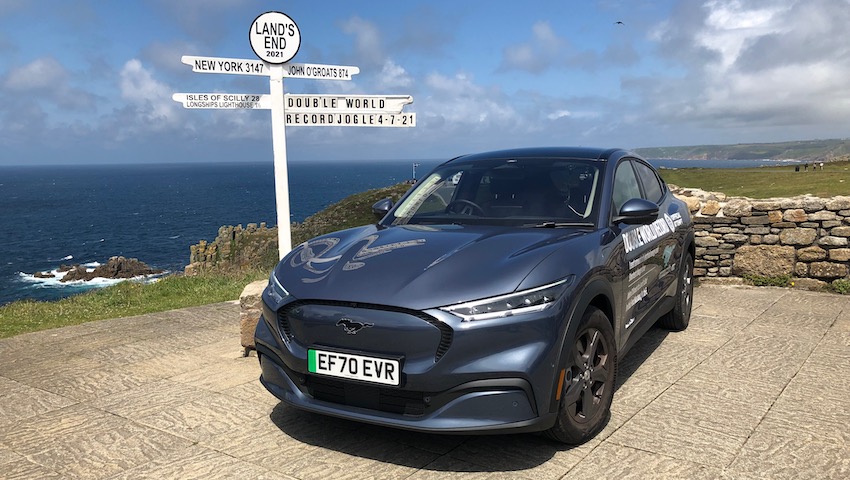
{"points": [[804, 237]]}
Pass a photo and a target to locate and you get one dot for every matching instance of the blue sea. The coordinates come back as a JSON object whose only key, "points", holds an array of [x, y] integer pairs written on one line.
{"points": [[84, 214]]}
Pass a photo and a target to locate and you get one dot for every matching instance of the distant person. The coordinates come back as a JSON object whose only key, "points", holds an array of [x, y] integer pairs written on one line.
{"points": [[806, 167], [796, 168], [821, 165]]}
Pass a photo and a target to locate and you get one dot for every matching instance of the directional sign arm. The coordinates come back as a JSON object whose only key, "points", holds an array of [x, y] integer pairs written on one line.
{"points": [[241, 66], [350, 120], [314, 103], [230, 101], [318, 71], [234, 66]]}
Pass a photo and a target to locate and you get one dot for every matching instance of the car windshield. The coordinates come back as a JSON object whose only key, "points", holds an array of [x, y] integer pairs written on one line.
{"points": [[533, 192]]}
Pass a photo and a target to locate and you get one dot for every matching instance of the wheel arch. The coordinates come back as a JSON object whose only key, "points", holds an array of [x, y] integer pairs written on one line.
{"points": [[596, 293]]}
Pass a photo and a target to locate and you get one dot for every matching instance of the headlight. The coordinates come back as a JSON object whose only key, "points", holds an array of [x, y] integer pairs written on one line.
{"points": [[275, 289], [526, 301]]}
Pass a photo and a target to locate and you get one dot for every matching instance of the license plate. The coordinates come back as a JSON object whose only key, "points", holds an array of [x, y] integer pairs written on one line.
{"points": [[355, 367]]}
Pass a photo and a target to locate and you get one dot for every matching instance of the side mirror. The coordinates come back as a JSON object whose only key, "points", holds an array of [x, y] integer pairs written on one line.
{"points": [[637, 211], [381, 207]]}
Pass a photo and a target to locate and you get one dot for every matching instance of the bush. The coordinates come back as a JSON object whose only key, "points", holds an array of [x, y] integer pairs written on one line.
{"points": [[842, 286]]}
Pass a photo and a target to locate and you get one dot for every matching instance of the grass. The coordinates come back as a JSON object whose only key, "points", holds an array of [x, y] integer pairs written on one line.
{"points": [[122, 300], [765, 182], [760, 281], [842, 286]]}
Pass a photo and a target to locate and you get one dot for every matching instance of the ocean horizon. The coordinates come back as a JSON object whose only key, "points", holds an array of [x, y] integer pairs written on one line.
{"points": [[85, 214]]}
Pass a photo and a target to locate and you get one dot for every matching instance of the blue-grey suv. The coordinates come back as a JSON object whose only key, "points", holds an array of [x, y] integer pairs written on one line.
{"points": [[497, 296]]}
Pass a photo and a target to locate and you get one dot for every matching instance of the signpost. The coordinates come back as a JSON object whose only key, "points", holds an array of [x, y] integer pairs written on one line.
{"points": [[346, 103], [298, 103], [236, 66], [247, 101], [241, 66], [275, 39]]}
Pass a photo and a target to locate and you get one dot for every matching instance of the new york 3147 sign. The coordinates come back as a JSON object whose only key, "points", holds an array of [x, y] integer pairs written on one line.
{"points": [[275, 38]]}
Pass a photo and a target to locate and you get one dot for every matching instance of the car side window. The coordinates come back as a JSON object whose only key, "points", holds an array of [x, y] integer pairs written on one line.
{"points": [[625, 185], [651, 183]]}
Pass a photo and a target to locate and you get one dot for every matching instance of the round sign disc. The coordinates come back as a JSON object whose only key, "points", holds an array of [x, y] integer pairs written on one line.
{"points": [[275, 37]]}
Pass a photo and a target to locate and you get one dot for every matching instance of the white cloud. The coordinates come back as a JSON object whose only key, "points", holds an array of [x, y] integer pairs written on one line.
{"points": [[367, 40], [730, 26], [151, 98], [459, 101], [48, 82], [773, 63], [393, 77], [42, 73], [559, 114], [541, 53], [546, 38]]}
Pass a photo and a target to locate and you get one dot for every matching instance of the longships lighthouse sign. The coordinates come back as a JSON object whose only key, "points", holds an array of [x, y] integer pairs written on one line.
{"points": [[275, 39]]}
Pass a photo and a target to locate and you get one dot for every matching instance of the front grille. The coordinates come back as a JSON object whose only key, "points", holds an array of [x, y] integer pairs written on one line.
{"points": [[446, 333], [390, 400]]}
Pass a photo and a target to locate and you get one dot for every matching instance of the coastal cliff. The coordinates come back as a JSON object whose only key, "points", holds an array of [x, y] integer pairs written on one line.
{"points": [[236, 249]]}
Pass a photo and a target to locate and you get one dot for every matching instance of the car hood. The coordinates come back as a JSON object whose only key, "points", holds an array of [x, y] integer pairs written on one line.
{"points": [[417, 267]]}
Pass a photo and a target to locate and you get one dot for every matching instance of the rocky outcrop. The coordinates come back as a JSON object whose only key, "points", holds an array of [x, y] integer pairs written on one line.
{"points": [[235, 249], [116, 267], [801, 237]]}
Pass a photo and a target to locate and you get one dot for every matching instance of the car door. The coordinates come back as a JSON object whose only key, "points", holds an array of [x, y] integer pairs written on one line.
{"points": [[640, 290], [654, 190]]}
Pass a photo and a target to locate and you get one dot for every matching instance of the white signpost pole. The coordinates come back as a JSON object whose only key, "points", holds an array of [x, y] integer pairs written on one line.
{"points": [[275, 39], [281, 174]]}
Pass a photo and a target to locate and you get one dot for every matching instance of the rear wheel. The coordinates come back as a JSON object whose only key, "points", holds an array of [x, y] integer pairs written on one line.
{"points": [[680, 316], [588, 381]]}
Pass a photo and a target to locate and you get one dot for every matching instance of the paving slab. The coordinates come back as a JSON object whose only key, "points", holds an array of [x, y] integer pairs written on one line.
{"points": [[757, 387]]}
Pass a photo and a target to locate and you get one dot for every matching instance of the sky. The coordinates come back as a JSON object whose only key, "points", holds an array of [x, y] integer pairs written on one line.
{"points": [[90, 81]]}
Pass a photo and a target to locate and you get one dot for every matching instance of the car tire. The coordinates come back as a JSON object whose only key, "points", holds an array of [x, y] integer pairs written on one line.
{"points": [[588, 382], [680, 316]]}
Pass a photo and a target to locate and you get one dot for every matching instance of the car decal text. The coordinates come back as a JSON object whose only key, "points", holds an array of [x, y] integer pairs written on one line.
{"points": [[646, 234]]}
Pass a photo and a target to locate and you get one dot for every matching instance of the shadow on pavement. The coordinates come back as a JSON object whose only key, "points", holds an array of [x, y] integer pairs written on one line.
{"points": [[474, 453]]}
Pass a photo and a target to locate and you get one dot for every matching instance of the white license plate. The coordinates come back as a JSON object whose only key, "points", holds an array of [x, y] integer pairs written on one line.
{"points": [[356, 367]]}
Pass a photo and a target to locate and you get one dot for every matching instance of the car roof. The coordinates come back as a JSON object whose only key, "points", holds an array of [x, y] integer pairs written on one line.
{"points": [[587, 153]]}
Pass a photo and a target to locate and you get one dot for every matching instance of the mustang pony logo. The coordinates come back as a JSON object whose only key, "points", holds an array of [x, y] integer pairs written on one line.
{"points": [[313, 256], [351, 327]]}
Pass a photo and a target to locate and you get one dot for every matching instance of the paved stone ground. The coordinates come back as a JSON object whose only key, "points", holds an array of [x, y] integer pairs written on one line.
{"points": [[757, 387]]}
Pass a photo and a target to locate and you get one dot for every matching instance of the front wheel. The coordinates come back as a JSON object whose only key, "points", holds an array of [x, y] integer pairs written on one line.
{"points": [[588, 381]]}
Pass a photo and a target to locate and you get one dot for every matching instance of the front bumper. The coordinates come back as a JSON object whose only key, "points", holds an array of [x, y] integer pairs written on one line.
{"points": [[497, 376]]}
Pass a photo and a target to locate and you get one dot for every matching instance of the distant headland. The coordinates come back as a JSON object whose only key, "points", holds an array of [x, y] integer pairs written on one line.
{"points": [[803, 150]]}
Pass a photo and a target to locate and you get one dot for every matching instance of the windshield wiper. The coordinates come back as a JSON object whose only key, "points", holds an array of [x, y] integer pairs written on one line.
{"points": [[559, 224]]}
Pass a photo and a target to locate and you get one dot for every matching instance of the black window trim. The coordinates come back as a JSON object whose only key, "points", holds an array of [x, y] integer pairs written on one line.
{"points": [[661, 183]]}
